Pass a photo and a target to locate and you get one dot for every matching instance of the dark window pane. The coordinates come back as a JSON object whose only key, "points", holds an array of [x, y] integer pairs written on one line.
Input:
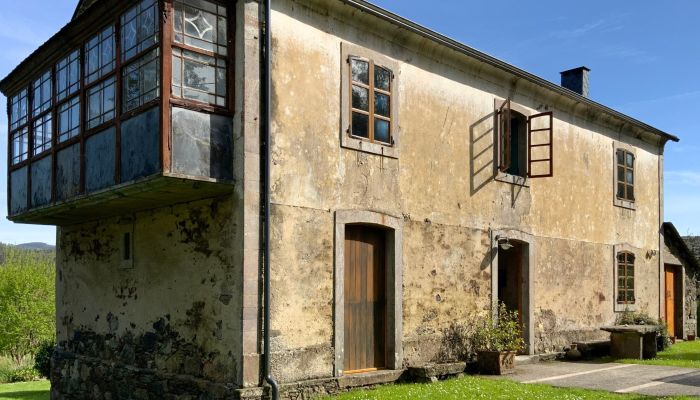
{"points": [[42, 134], [68, 75], [630, 177], [382, 79], [630, 193], [382, 104], [18, 109], [630, 160], [360, 98], [20, 145], [69, 119], [621, 283], [621, 190], [199, 77], [101, 103], [141, 81], [621, 174], [100, 57], [381, 130], [42, 94], [620, 157], [139, 28], [360, 71], [360, 125]]}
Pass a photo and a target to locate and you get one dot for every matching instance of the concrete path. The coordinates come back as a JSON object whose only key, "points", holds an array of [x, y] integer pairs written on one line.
{"points": [[621, 378]]}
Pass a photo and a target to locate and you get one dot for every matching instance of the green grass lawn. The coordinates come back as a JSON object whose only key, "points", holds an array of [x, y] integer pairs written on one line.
{"points": [[38, 390], [682, 354], [473, 387]]}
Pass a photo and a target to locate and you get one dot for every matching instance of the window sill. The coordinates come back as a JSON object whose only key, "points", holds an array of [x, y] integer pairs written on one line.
{"points": [[630, 205], [511, 179], [384, 150], [621, 307]]}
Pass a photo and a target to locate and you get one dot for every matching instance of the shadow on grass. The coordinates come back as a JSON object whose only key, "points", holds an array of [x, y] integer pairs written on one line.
{"points": [[26, 395]]}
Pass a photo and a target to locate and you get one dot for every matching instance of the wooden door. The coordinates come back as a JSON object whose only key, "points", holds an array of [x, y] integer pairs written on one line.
{"points": [[365, 300], [670, 300]]}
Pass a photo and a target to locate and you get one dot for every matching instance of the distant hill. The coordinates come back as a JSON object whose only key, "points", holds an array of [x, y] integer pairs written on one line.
{"points": [[36, 246]]}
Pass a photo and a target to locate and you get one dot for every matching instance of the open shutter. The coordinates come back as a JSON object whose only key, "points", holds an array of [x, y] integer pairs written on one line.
{"points": [[540, 139], [504, 133]]}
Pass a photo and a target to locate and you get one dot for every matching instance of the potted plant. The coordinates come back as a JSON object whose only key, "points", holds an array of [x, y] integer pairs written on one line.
{"points": [[497, 342]]}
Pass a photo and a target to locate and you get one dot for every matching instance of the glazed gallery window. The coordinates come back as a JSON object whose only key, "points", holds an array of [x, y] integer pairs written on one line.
{"points": [[201, 24], [371, 117], [68, 76], [625, 175], [100, 103], [42, 134], [99, 55], [625, 278], [141, 81], [200, 75], [41, 94], [20, 145], [69, 119], [140, 29], [18, 109]]}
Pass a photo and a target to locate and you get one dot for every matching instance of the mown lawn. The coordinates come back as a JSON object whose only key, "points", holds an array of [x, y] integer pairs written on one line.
{"points": [[473, 387], [682, 354], [38, 390]]}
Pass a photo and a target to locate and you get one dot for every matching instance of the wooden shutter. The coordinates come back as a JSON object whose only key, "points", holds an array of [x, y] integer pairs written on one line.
{"points": [[540, 160], [504, 136]]}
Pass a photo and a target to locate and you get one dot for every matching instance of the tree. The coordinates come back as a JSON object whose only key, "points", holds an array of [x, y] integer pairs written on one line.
{"points": [[27, 308]]}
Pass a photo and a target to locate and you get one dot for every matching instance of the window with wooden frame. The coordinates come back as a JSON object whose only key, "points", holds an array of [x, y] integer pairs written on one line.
{"points": [[41, 94], [18, 109], [625, 278], [68, 76], [200, 62], [524, 141], [625, 174], [19, 146], [100, 57], [100, 103], [371, 101], [139, 29], [69, 119], [141, 81], [42, 134]]}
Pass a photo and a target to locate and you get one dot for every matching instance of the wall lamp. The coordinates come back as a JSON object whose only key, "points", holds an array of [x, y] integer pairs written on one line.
{"points": [[504, 242]]}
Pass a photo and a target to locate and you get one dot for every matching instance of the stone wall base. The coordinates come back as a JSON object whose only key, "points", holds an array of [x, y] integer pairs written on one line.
{"points": [[76, 377]]}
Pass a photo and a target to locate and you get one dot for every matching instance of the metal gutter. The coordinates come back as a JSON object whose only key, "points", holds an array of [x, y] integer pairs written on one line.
{"points": [[266, 126], [483, 57]]}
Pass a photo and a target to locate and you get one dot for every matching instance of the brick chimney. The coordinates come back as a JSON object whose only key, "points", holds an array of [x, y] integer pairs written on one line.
{"points": [[576, 80]]}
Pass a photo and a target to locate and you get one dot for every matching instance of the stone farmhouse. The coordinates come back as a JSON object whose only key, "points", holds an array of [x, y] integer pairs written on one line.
{"points": [[311, 200]]}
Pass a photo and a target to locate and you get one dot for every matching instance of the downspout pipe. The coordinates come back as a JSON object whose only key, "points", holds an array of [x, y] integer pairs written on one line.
{"points": [[266, 126]]}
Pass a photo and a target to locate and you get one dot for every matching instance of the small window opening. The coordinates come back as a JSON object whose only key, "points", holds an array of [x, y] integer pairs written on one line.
{"points": [[518, 145], [127, 247]]}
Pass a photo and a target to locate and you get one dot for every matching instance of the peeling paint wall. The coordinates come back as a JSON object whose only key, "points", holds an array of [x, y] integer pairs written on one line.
{"points": [[174, 310], [443, 186]]}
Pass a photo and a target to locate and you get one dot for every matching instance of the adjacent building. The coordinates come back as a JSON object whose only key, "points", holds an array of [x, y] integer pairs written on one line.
{"points": [[414, 182]]}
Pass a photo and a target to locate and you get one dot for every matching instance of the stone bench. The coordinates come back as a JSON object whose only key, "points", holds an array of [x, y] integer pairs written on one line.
{"points": [[434, 372], [593, 348], [633, 341]]}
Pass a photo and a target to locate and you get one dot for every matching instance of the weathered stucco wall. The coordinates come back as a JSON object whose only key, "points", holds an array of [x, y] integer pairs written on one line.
{"points": [[173, 311], [442, 185]]}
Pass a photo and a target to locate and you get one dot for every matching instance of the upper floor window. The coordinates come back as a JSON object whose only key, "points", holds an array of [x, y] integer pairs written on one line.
{"points": [[625, 175], [141, 81], [199, 63], [42, 134], [68, 76], [18, 109], [20, 145], [100, 103], [371, 101], [625, 278], [69, 119], [201, 24], [41, 94], [99, 55], [525, 142], [140, 27]]}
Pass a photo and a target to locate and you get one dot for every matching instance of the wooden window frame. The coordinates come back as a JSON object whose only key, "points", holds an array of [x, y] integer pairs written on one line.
{"points": [[503, 140], [629, 250], [627, 264], [369, 145], [630, 204], [193, 104]]}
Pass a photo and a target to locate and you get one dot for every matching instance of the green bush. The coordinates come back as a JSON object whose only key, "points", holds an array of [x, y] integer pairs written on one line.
{"points": [[504, 334], [42, 359], [27, 309], [24, 375]]}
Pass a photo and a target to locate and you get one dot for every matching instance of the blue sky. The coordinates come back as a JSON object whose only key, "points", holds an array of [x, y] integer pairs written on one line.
{"points": [[644, 56]]}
